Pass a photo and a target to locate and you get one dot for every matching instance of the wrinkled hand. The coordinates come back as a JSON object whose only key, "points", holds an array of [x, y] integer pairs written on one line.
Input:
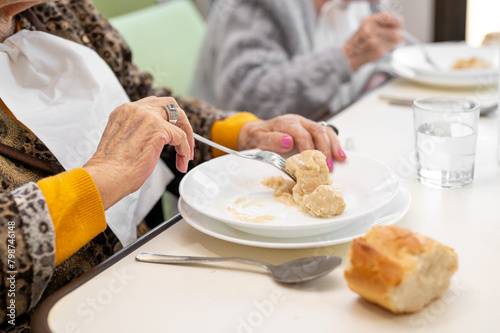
{"points": [[283, 133], [377, 35], [131, 145]]}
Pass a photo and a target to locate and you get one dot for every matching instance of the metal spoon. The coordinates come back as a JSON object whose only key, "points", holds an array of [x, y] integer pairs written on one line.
{"points": [[295, 271]]}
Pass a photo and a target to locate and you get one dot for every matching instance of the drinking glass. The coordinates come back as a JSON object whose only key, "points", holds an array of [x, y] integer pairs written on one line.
{"points": [[445, 136]]}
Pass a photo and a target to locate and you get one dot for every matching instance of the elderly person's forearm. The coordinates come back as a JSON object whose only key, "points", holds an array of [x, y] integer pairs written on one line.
{"points": [[304, 85]]}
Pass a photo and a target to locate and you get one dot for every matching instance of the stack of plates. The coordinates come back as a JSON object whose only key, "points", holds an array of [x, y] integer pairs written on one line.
{"points": [[224, 198], [409, 62]]}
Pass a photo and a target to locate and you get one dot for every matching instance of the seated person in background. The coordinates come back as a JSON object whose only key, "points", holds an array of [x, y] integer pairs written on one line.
{"points": [[274, 57], [54, 215]]}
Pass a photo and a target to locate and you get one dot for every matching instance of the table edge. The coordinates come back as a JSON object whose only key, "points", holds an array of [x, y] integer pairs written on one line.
{"points": [[39, 323]]}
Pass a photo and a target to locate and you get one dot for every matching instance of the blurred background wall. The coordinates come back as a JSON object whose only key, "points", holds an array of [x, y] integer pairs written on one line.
{"points": [[419, 17], [429, 20]]}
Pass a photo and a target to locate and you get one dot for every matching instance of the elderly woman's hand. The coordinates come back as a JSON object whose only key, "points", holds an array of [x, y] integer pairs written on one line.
{"points": [[283, 133], [131, 145], [377, 35]]}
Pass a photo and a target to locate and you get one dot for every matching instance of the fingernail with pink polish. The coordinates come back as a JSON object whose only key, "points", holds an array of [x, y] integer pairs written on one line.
{"points": [[341, 152], [286, 142], [329, 163]]}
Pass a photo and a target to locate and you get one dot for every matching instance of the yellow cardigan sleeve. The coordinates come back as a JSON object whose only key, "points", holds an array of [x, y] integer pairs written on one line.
{"points": [[76, 209], [225, 132]]}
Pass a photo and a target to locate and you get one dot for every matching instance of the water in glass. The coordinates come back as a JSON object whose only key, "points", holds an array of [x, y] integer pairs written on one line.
{"points": [[446, 152]]}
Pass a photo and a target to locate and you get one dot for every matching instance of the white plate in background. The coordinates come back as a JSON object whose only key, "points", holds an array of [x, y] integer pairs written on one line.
{"points": [[409, 62], [445, 55]]}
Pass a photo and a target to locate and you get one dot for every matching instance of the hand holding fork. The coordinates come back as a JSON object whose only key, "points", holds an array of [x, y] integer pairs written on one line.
{"points": [[264, 156], [377, 7]]}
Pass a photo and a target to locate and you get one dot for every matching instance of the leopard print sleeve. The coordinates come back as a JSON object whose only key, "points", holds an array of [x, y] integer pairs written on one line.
{"points": [[27, 248]]}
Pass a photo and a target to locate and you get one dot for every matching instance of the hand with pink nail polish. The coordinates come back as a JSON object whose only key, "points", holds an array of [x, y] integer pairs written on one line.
{"points": [[291, 131], [329, 163], [286, 142]]}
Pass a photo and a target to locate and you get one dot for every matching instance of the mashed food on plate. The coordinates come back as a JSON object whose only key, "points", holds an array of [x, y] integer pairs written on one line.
{"points": [[313, 191], [470, 63]]}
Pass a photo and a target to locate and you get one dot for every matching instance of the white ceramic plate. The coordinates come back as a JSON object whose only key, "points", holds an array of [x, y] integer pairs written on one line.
{"points": [[229, 189], [443, 82], [445, 54], [409, 62], [389, 214]]}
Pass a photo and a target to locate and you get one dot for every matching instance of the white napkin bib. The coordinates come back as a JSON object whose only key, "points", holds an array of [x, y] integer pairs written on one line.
{"points": [[64, 92]]}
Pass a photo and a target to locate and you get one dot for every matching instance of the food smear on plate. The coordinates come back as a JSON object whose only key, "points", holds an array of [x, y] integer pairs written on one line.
{"points": [[246, 202], [244, 217], [238, 207], [399, 269], [313, 191], [470, 63]]}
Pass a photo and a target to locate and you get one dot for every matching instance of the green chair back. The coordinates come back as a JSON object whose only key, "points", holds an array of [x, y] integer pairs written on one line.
{"points": [[165, 40], [112, 8]]}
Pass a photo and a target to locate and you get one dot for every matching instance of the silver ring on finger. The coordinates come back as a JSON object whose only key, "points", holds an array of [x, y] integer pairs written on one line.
{"points": [[324, 123], [172, 113]]}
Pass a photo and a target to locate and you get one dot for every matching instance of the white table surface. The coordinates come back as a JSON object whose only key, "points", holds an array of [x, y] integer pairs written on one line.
{"points": [[139, 297]]}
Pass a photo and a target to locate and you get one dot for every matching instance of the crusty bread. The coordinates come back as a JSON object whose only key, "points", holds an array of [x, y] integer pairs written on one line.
{"points": [[399, 269]]}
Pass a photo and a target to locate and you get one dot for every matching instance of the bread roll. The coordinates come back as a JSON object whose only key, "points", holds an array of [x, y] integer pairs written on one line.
{"points": [[398, 269]]}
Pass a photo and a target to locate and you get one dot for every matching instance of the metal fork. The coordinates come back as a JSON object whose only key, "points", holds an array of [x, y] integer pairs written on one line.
{"points": [[415, 41], [376, 7], [263, 156]]}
